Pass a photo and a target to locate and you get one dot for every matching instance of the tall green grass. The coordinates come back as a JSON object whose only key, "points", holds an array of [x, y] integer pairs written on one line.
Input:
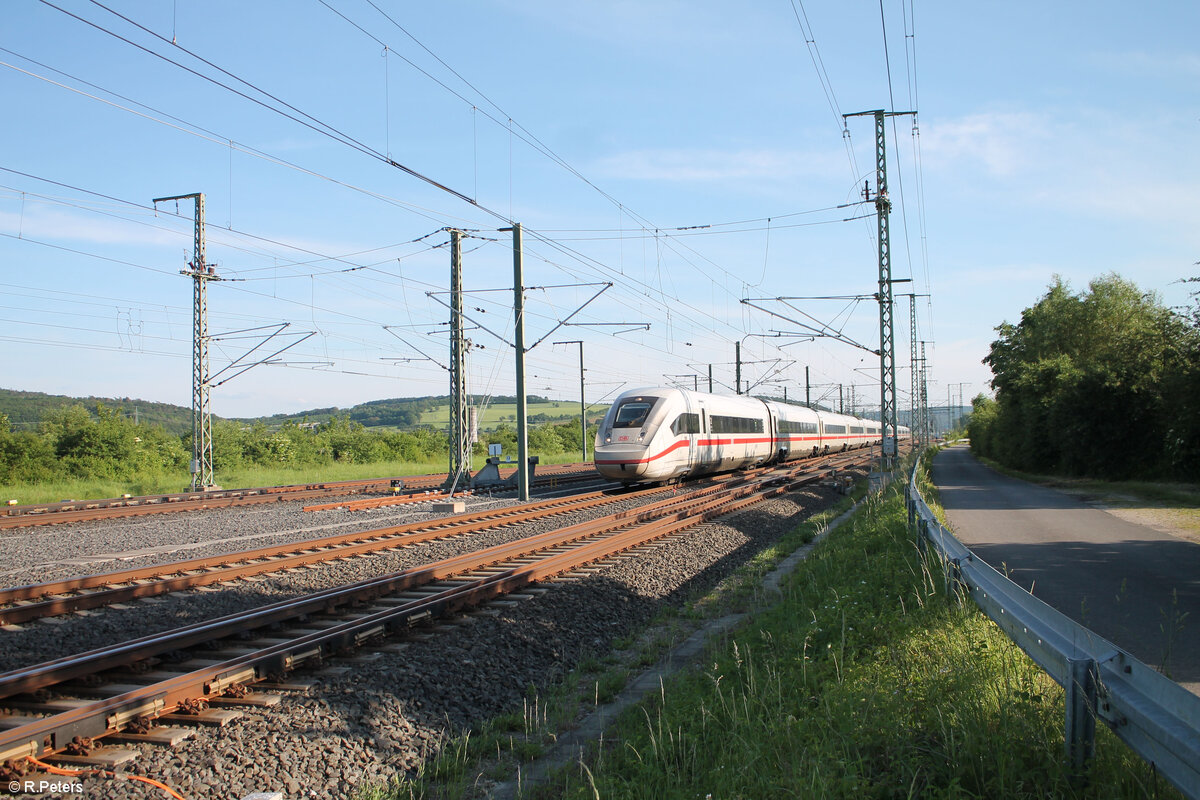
{"points": [[87, 489], [864, 681], [169, 483]]}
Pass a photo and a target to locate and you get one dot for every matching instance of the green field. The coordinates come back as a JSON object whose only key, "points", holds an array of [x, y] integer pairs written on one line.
{"points": [[506, 413]]}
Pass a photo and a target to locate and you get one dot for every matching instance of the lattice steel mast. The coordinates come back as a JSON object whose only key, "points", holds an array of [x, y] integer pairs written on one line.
{"points": [[460, 431], [887, 333], [200, 273]]}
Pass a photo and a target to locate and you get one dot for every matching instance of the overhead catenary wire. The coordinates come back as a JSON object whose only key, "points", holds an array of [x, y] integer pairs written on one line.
{"points": [[565, 250], [299, 116], [248, 84], [662, 294], [504, 121], [199, 131]]}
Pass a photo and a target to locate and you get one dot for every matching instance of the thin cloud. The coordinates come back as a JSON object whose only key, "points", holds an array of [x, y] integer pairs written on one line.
{"points": [[1003, 143], [52, 224]]}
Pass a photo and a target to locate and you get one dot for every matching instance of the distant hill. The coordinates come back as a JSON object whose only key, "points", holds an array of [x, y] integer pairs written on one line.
{"points": [[26, 409], [409, 412]]}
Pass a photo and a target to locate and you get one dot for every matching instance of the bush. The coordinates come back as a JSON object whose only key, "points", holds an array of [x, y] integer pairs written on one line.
{"points": [[1102, 383]]}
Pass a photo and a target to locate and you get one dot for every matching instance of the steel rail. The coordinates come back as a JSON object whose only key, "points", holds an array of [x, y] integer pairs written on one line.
{"points": [[32, 678], [115, 587], [51, 672], [20, 516], [552, 478], [108, 714]]}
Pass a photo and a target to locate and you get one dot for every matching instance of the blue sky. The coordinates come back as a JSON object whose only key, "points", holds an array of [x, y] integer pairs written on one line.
{"points": [[1051, 139]]}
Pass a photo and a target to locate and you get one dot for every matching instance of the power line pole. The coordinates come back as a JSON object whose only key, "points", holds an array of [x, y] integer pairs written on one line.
{"points": [[519, 341], [737, 350], [960, 386], [926, 422], [201, 274], [460, 433], [807, 390], [914, 406], [887, 344], [710, 378]]}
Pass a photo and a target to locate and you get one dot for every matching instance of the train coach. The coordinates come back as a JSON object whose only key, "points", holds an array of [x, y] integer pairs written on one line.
{"points": [[662, 434]]}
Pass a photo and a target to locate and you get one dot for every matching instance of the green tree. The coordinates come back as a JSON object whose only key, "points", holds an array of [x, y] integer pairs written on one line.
{"points": [[543, 441], [1083, 382]]}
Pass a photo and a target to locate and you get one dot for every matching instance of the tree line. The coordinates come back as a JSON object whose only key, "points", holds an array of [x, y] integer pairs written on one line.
{"points": [[1102, 383], [70, 442]]}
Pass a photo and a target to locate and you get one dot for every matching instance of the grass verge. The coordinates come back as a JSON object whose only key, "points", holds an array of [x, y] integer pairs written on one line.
{"points": [[89, 489], [171, 483], [1171, 506], [1120, 493]]}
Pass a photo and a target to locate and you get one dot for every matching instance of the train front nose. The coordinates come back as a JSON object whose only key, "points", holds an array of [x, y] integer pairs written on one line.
{"points": [[624, 438], [621, 461]]}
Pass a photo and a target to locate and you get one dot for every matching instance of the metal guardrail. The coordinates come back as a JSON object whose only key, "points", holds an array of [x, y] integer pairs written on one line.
{"points": [[1156, 717]]}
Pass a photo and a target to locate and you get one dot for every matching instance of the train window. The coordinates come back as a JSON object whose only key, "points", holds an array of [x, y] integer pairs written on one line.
{"points": [[792, 426], [632, 414], [686, 423], [856, 429], [835, 428], [735, 424]]}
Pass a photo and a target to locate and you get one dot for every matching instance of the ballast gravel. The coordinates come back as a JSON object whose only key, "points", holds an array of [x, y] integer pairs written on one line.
{"points": [[382, 713]]}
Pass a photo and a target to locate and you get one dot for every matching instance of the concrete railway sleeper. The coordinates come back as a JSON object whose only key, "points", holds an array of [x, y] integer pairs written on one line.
{"points": [[136, 682]]}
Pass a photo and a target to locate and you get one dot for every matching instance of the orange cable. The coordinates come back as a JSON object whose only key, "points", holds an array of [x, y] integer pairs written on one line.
{"points": [[53, 770]]}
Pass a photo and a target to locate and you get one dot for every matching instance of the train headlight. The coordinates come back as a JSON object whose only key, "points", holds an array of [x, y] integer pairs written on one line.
{"points": [[607, 439]]}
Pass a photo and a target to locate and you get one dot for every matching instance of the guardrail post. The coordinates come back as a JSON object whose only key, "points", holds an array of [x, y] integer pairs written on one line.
{"points": [[1080, 736]]}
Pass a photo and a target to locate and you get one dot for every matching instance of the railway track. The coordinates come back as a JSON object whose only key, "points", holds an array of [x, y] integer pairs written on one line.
{"points": [[136, 683], [564, 478], [26, 603], [19, 516]]}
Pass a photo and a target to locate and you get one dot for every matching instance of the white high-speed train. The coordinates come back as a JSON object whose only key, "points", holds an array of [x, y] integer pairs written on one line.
{"points": [[660, 434]]}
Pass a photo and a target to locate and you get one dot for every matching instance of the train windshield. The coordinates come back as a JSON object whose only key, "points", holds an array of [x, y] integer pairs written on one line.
{"points": [[633, 413]]}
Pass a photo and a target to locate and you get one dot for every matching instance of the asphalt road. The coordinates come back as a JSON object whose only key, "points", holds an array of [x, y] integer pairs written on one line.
{"points": [[1135, 586]]}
